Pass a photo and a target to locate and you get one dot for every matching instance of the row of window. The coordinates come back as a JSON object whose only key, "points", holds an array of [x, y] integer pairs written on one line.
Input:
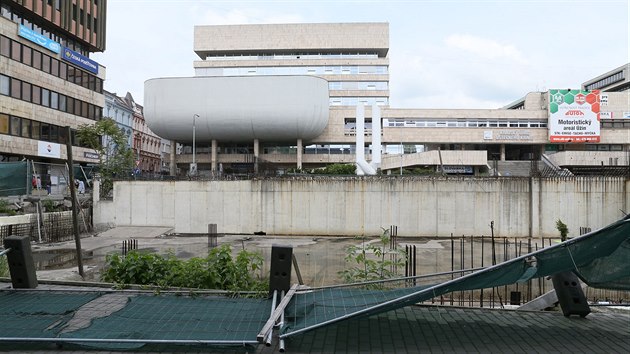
{"points": [[294, 70], [268, 56], [355, 101], [358, 85], [7, 12], [431, 123], [26, 55], [618, 76], [28, 92], [32, 129]]}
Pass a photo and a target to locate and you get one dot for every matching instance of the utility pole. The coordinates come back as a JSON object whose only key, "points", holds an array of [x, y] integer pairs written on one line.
{"points": [[73, 195]]}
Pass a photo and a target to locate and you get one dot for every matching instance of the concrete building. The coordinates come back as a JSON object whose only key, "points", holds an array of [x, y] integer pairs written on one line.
{"points": [[146, 143], [47, 80], [352, 58], [117, 109]]}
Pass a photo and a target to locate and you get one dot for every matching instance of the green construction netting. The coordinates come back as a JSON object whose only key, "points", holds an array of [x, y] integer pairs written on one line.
{"points": [[127, 321], [179, 318], [13, 178], [40, 314], [599, 258]]}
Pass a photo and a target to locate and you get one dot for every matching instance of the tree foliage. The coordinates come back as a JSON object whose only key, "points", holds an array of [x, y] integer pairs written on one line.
{"points": [[219, 270], [115, 155], [374, 260], [563, 229]]}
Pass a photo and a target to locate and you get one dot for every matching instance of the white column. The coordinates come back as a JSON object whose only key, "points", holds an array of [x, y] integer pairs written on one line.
{"points": [[299, 154], [213, 158], [256, 147]]}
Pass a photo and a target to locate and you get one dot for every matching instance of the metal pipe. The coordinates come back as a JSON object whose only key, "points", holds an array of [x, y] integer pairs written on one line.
{"points": [[146, 341], [432, 289], [388, 280], [5, 251], [273, 309]]}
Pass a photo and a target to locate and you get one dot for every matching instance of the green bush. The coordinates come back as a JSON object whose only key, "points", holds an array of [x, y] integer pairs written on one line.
{"points": [[371, 261], [219, 270], [336, 169], [4, 208], [4, 266]]}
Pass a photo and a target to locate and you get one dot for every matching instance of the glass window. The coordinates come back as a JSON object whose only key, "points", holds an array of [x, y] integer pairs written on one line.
{"points": [[99, 85], [62, 103], [78, 76], [26, 128], [54, 133], [37, 94], [54, 100], [70, 105], [45, 131], [63, 70], [84, 109], [16, 50], [16, 129], [70, 73], [26, 91], [92, 83], [27, 54], [35, 128], [77, 107], [4, 123], [54, 67], [46, 63], [45, 97], [4, 85], [16, 88], [37, 60], [5, 46]]}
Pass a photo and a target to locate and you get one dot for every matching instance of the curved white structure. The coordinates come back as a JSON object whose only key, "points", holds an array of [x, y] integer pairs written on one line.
{"points": [[237, 109]]}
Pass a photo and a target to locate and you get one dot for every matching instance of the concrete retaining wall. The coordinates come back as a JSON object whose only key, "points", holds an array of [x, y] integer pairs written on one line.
{"points": [[352, 206]]}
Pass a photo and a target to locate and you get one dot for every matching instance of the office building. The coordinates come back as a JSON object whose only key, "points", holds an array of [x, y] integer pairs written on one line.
{"points": [[47, 80], [256, 97]]}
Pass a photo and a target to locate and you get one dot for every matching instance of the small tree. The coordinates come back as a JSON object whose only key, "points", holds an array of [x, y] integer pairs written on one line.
{"points": [[563, 229], [115, 156], [373, 260]]}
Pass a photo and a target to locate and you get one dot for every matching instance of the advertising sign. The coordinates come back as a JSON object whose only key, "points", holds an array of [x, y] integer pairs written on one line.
{"points": [[574, 116], [47, 149], [606, 115], [458, 169], [79, 60], [38, 39], [91, 155]]}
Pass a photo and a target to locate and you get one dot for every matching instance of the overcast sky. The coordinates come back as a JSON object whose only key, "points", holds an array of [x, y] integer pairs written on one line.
{"points": [[443, 54]]}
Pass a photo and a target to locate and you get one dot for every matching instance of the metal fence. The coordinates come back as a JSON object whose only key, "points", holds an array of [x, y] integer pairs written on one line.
{"points": [[55, 227]]}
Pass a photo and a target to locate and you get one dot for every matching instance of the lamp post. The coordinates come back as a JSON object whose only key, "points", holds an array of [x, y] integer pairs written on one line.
{"points": [[193, 166]]}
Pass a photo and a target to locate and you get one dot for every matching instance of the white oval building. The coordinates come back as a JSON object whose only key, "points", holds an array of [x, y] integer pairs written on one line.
{"points": [[237, 109]]}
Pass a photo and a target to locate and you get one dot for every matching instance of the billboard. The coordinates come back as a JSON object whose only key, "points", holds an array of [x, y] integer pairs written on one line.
{"points": [[574, 116]]}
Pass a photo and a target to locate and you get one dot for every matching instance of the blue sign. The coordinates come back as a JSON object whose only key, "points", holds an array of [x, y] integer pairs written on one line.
{"points": [[38, 39], [79, 60]]}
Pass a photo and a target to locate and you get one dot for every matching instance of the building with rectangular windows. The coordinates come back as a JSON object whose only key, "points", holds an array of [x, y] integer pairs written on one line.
{"points": [[256, 97], [47, 80]]}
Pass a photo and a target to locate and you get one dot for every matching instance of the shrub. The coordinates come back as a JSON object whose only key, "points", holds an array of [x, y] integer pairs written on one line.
{"points": [[219, 270]]}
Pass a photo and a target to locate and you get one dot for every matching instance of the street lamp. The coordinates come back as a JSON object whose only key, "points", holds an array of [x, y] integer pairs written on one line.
{"points": [[193, 166]]}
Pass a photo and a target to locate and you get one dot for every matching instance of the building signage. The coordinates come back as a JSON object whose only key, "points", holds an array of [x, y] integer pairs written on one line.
{"points": [[46, 149], [487, 135], [606, 115], [513, 135], [574, 116], [626, 115], [79, 60], [91, 155], [603, 99], [458, 169], [38, 39]]}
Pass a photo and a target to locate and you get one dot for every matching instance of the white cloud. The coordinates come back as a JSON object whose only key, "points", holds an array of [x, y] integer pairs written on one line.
{"points": [[485, 48]]}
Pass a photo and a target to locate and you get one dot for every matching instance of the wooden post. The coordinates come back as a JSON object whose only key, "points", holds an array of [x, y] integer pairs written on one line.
{"points": [[73, 196]]}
